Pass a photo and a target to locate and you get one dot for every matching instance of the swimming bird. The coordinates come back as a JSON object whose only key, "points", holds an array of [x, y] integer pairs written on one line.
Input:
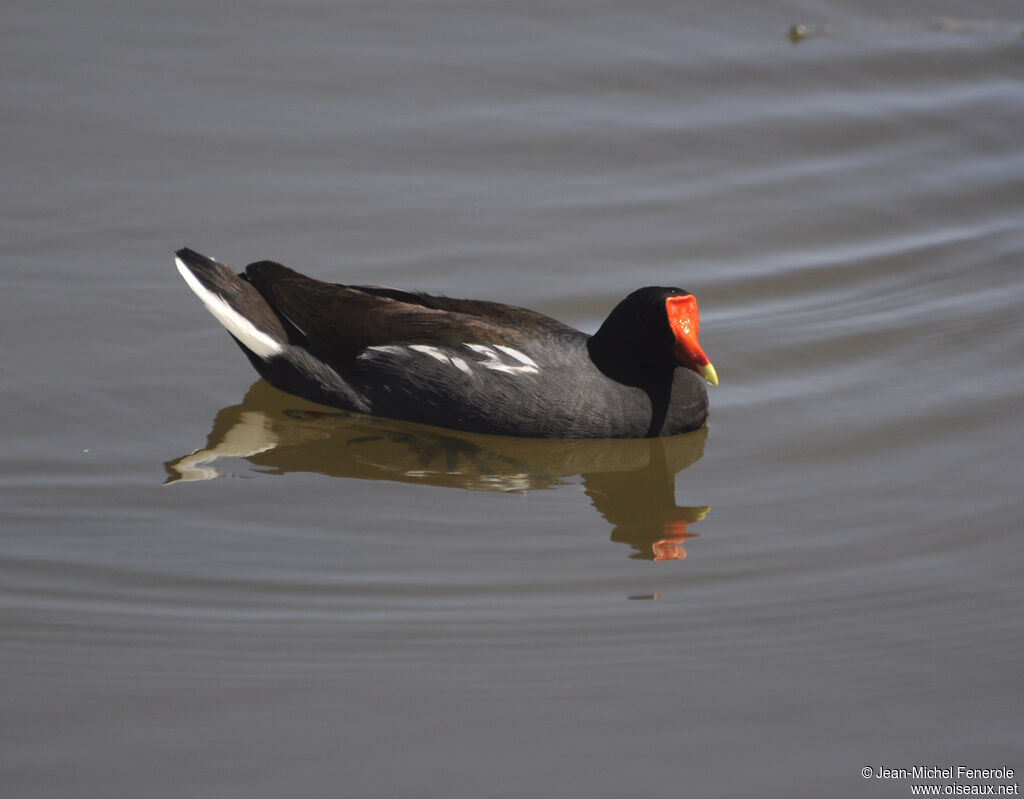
{"points": [[471, 365]]}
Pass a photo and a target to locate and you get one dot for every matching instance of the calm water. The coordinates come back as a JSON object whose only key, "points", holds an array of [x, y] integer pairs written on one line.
{"points": [[212, 589]]}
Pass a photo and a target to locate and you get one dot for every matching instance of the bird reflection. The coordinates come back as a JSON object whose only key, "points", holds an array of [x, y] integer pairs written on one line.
{"points": [[631, 482]]}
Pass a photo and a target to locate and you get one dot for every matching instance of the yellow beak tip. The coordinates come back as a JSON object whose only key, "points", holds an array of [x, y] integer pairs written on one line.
{"points": [[708, 373]]}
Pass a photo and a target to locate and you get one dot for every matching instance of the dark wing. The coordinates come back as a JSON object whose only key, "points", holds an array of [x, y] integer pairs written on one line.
{"points": [[336, 322]]}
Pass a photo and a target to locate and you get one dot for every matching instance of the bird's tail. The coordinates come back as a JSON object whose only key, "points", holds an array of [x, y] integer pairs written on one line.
{"points": [[235, 303]]}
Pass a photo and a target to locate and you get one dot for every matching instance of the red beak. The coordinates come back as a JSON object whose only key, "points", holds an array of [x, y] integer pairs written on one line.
{"points": [[684, 319]]}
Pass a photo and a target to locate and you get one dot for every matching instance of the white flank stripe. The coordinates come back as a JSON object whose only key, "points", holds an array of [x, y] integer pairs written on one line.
{"points": [[237, 325], [387, 349], [461, 365], [433, 352], [442, 356], [492, 359], [524, 359]]}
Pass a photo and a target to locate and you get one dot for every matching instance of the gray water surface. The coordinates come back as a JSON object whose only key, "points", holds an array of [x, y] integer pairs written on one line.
{"points": [[210, 588]]}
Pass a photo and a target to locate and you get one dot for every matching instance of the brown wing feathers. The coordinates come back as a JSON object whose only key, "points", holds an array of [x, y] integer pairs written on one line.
{"points": [[337, 322]]}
